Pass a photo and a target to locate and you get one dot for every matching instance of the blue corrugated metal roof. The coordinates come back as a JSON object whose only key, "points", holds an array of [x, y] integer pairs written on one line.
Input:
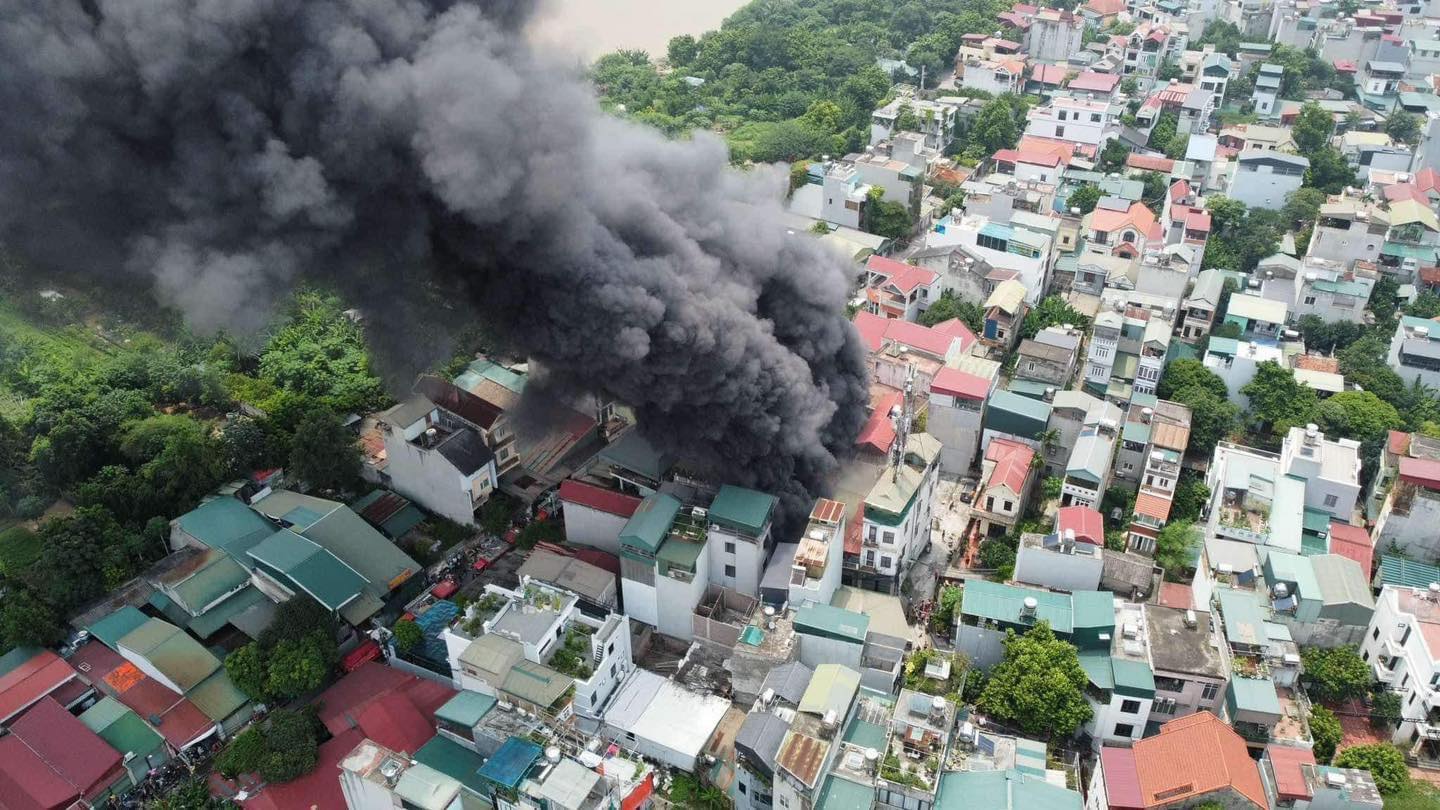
{"points": [[509, 764]]}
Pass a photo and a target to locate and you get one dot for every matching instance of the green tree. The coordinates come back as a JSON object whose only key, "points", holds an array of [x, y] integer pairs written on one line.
{"points": [[1164, 131], [1175, 549], [1329, 171], [1325, 731], [291, 746], [320, 352], [192, 794], [1039, 686], [246, 668], [1358, 415], [1112, 157], [1384, 762], [1168, 70], [1333, 675], [408, 635], [948, 307], [682, 50], [1212, 418], [994, 128], [885, 218], [1403, 127], [1277, 400], [1186, 373], [1156, 185], [905, 119], [325, 453], [25, 621], [293, 668], [1191, 495], [85, 554], [244, 753], [1084, 198], [942, 619], [1425, 305], [1052, 311], [1302, 207], [1312, 128], [1385, 709]]}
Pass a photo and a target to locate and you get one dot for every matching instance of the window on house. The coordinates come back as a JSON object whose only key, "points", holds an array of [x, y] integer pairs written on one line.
{"points": [[730, 571], [1209, 691], [742, 788], [1124, 730], [990, 504], [1309, 299], [1095, 117], [886, 562], [729, 548], [1059, 132], [1009, 506], [1331, 500], [1375, 634], [870, 558], [871, 533]]}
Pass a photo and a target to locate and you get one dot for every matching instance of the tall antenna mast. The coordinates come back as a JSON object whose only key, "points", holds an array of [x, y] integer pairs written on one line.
{"points": [[902, 415]]}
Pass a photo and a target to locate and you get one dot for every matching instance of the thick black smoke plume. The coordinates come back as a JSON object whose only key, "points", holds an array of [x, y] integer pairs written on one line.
{"points": [[228, 148]]}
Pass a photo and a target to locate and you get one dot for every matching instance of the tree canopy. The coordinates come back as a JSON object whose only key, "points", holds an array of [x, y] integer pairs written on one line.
{"points": [[1277, 400], [1039, 686], [1337, 674], [1084, 198], [1384, 762], [1312, 128], [949, 306], [1052, 311]]}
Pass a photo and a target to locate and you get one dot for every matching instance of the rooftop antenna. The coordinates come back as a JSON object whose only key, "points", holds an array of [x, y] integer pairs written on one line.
{"points": [[902, 422]]}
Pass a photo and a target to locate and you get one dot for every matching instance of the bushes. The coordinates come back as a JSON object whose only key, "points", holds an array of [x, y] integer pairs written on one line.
{"points": [[1384, 762], [1325, 730], [283, 748], [294, 655]]}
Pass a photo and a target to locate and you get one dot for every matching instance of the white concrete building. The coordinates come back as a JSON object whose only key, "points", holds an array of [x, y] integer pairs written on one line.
{"points": [[815, 570], [1331, 469], [1415, 350], [843, 195], [1000, 246], [436, 460], [996, 77], [898, 510], [1403, 650], [935, 121], [957, 406], [1077, 120], [661, 719], [738, 538], [594, 515]]}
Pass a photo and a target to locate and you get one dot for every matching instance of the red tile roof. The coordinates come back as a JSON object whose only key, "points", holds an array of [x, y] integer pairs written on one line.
{"points": [[1197, 220], [1179, 190], [343, 703], [394, 722], [27, 782], [318, 788], [598, 498], [956, 328], [1137, 216], [1422, 472], [1049, 74], [1012, 464], [1093, 82], [957, 383], [905, 277], [1032, 158], [919, 337], [73, 751], [1427, 180], [32, 680], [181, 722], [1286, 762], [879, 433], [1088, 524], [1150, 163], [1353, 542], [1406, 191], [1177, 595], [1346, 65], [871, 328], [1151, 505], [1195, 755], [1036, 144], [1122, 781], [1399, 442], [1106, 7], [852, 530]]}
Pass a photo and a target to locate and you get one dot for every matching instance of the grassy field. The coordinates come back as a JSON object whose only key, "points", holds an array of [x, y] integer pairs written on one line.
{"points": [[18, 548], [1418, 796]]}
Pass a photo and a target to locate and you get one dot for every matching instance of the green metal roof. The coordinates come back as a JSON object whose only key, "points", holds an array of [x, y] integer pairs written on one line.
{"points": [[842, 794], [1030, 757], [227, 524], [1223, 345], [1008, 412], [510, 764], [1252, 695], [1033, 389], [1396, 570], [121, 728], [1093, 608], [1003, 603], [1311, 544], [677, 553], [1244, 620], [651, 522], [220, 576], [536, 683], [1096, 664], [743, 510], [1407, 251], [1002, 790], [632, 452], [465, 709], [480, 370], [865, 734], [1125, 365], [310, 568], [172, 653], [118, 625], [1317, 521], [454, 760], [1293, 569], [832, 687], [362, 548], [208, 623], [1137, 432], [1133, 678], [217, 696], [827, 620]]}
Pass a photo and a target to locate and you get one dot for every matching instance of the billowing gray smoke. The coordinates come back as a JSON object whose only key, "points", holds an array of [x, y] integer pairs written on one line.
{"points": [[228, 148]]}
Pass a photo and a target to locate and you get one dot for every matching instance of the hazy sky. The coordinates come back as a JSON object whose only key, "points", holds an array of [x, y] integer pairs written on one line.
{"points": [[592, 27]]}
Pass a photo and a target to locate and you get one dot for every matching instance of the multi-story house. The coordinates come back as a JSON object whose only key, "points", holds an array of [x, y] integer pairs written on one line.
{"points": [[1099, 86], [1189, 658], [901, 181], [1154, 347], [438, 459], [1201, 304], [1349, 230], [1235, 362], [934, 120], [1087, 474], [738, 538], [1193, 761], [997, 77], [1264, 179], [896, 526], [1266, 95], [993, 253], [1085, 121], [1253, 501], [898, 290], [1192, 105], [1044, 362], [1404, 501], [1054, 35], [1148, 47], [1403, 650], [1004, 311], [843, 195], [957, 404], [1257, 137], [1005, 482], [1257, 318], [1118, 228], [988, 609], [1104, 350], [1415, 350], [1207, 69], [1412, 241], [1332, 299], [1153, 443], [1378, 84]]}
